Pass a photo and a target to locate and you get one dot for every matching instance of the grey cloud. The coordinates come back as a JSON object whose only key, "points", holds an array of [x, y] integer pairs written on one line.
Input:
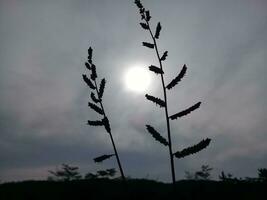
{"points": [[43, 106]]}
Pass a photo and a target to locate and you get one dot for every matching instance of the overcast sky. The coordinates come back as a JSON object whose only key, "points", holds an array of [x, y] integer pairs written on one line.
{"points": [[43, 100]]}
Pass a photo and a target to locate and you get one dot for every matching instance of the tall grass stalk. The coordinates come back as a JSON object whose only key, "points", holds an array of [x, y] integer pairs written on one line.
{"points": [[96, 105], [158, 70]]}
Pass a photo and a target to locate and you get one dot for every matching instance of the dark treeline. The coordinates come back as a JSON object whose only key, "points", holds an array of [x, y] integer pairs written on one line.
{"points": [[68, 183], [103, 188], [70, 173]]}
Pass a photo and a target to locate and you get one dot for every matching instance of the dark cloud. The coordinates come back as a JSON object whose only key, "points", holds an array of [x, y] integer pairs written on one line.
{"points": [[43, 104]]}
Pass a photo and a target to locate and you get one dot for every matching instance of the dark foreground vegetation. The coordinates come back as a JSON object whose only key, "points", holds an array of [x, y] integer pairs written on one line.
{"points": [[135, 189]]}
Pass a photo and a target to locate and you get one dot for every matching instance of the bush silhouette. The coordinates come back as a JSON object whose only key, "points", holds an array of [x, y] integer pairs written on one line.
{"points": [[67, 173], [108, 173], [226, 177], [262, 174], [202, 174]]}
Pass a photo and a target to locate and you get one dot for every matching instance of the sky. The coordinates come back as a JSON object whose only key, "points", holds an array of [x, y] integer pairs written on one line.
{"points": [[43, 104]]}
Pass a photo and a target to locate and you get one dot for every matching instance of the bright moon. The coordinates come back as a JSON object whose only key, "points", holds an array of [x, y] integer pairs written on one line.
{"points": [[137, 79]]}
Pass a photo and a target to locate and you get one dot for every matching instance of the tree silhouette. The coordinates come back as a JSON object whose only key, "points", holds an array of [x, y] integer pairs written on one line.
{"points": [[204, 173], [158, 70], [226, 177], [262, 174], [108, 173], [96, 105], [67, 173]]}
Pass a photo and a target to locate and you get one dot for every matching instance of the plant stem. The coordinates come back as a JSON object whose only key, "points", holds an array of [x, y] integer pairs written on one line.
{"points": [[166, 105], [111, 137]]}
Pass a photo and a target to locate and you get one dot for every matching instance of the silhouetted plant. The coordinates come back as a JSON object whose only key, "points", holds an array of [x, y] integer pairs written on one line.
{"points": [[108, 173], [90, 175], [262, 177], [158, 70], [204, 173], [97, 92], [262, 174], [225, 177], [67, 173]]}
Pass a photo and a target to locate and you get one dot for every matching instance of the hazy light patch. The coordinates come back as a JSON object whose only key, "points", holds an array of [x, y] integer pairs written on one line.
{"points": [[137, 79]]}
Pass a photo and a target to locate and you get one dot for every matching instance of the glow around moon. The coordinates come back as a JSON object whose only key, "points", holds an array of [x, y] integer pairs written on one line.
{"points": [[137, 79]]}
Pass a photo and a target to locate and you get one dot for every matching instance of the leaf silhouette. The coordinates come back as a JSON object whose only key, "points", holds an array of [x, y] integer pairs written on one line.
{"points": [[155, 69], [87, 65], [156, 100], [105, 122], [156, 135], [149, 45], [148, 17], [96, 108], [95, 123], [164, 56], [177, 78], [101, 88], [103, 157], [158, 29], [193, 149], [138, 3], [142, 14], [90, 53], [185, 112], [141, 11], [93, 75], [93, 97], [144, 26], [88, 82]]}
